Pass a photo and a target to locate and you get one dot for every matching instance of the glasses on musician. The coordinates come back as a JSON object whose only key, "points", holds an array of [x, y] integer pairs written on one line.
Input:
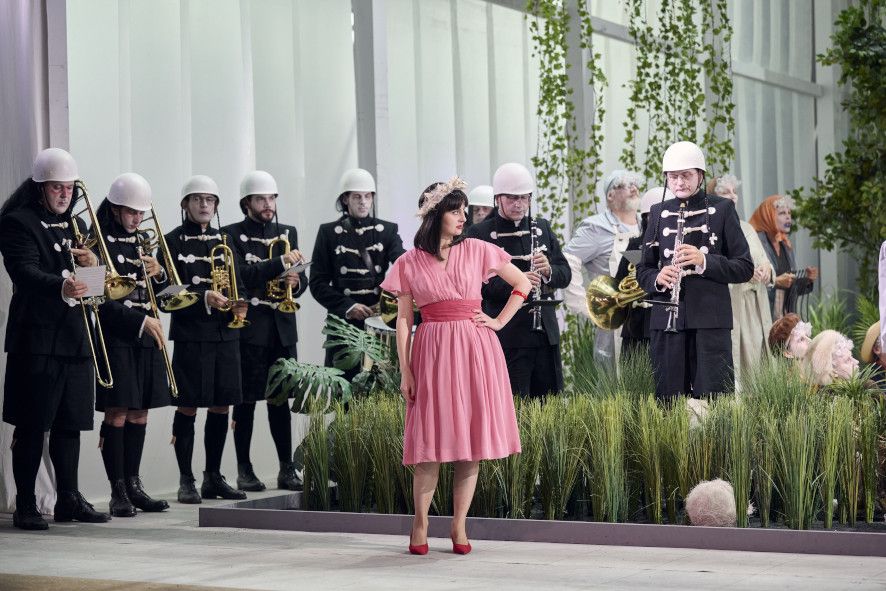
{"points": [[514, 198], [202, 198]]}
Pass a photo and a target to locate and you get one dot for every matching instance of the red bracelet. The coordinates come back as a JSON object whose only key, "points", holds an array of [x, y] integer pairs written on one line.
{"points": [[521, 294]]}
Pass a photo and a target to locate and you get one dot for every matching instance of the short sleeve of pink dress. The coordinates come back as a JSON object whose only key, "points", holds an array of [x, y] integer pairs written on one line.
{"points": [[397, 280], [463, 408]]}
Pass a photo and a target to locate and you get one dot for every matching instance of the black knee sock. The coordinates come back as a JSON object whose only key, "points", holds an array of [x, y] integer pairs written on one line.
{"points": [[26, 453], [183, 431], [280, 420], [244, 418], [64, 450], [214, 439], [133, 444], [112, 451]]}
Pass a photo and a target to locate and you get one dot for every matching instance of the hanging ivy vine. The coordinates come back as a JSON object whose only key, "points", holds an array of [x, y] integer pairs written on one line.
{"points": [[562, 166], [686, 47]]}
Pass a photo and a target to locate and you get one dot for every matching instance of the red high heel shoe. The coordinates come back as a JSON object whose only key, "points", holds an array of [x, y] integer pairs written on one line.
{"points": [[460, 548], [420, 549]]}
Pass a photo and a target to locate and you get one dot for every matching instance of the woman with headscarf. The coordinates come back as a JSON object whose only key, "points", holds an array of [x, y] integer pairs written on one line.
{"points": [[772, 221]]}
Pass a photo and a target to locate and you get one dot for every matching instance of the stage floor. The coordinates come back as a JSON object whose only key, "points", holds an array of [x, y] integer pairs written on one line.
{"points": [[169, 549]]}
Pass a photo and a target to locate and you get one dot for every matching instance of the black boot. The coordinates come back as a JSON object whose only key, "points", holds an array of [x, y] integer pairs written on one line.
{"points": [[71, 506], [287, 478], [26, 515], [247, 480], [187, 492], [141, 499], [120, 505], [215, 487]]}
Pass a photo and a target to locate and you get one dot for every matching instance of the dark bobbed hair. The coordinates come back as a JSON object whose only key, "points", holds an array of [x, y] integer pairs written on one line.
{"points": [[427, 238]]}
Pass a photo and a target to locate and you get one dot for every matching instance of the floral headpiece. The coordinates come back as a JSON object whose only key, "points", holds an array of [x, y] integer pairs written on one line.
{"points": [[436, 195], [784, 201], [803, 328]]}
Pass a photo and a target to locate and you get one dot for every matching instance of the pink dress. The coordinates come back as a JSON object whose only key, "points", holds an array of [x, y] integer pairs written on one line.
{"points": [[463, 408]]}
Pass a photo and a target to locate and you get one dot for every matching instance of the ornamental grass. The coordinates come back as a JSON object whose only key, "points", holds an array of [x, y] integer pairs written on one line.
{"points": [[787, 449]]}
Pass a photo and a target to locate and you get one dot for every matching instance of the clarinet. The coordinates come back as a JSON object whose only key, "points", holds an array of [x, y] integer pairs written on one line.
{"points": [[673, 307], [535, 311]]}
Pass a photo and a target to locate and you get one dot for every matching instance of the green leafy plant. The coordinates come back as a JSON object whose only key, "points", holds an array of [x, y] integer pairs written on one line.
{"points": [[350, 468], [795, 448], [829, 312], [647, 434], [607, 465], [867, 312], [520, 471], [675, 455], [562, 442], [565, 171], [353, 346], [678, 55], [316, 472], [304, 383], [833, 428], [845, 208]]}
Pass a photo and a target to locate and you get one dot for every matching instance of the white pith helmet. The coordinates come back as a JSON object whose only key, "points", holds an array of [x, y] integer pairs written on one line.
{"points": [[653, 196], [482, 196], [512, 179], [356, 180], [199, 183], [54, 164], [683, 156], [131, 190], [257, 182]]}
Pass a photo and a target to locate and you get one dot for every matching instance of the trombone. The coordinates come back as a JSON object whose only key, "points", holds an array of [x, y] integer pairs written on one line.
{"points": [[224, 279], [116, 286], [156, 240], [275, 290], [145, 244], [93, 302]]}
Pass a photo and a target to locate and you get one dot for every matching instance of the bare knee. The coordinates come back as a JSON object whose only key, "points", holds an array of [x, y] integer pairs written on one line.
{"points": [[137, 417], [115, 416]]}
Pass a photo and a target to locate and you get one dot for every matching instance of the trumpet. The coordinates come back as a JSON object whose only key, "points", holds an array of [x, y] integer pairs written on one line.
{"points": [[224, 279], [275, 290], [156, 240], [144, 247], [116, 286]]}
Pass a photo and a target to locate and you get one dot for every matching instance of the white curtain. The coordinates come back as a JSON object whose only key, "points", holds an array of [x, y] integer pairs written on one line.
{"points": [[23, 127]]}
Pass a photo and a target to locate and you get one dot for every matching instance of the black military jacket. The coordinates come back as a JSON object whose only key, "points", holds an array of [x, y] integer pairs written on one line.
{"points": [[35, 244], [190, 247], [712, 225], [251, 241], [122, 319], [515, 238], [351, 257]]}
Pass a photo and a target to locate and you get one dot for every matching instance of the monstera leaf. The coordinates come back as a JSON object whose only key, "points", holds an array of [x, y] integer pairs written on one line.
{"points": [[354, 343], [309, 384]]}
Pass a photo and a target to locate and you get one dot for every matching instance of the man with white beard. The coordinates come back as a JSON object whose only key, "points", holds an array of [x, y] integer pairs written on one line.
{"points": [[598, 244]]}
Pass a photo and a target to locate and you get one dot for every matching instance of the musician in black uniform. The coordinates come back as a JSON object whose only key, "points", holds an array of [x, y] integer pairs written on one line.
{"points": [[635, 330], [206, 357], [696, 359], [134, 338], [273, 333], [352, 255], [50, 377], [533, 356]]}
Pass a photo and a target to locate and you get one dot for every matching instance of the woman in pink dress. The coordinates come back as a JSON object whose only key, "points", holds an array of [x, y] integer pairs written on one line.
{"points": [[459, 405]]}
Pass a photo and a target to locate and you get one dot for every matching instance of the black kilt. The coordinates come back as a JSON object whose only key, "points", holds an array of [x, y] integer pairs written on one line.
{"points": [[43, 391], [207, 373], [140, 380], [255, 363]]}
